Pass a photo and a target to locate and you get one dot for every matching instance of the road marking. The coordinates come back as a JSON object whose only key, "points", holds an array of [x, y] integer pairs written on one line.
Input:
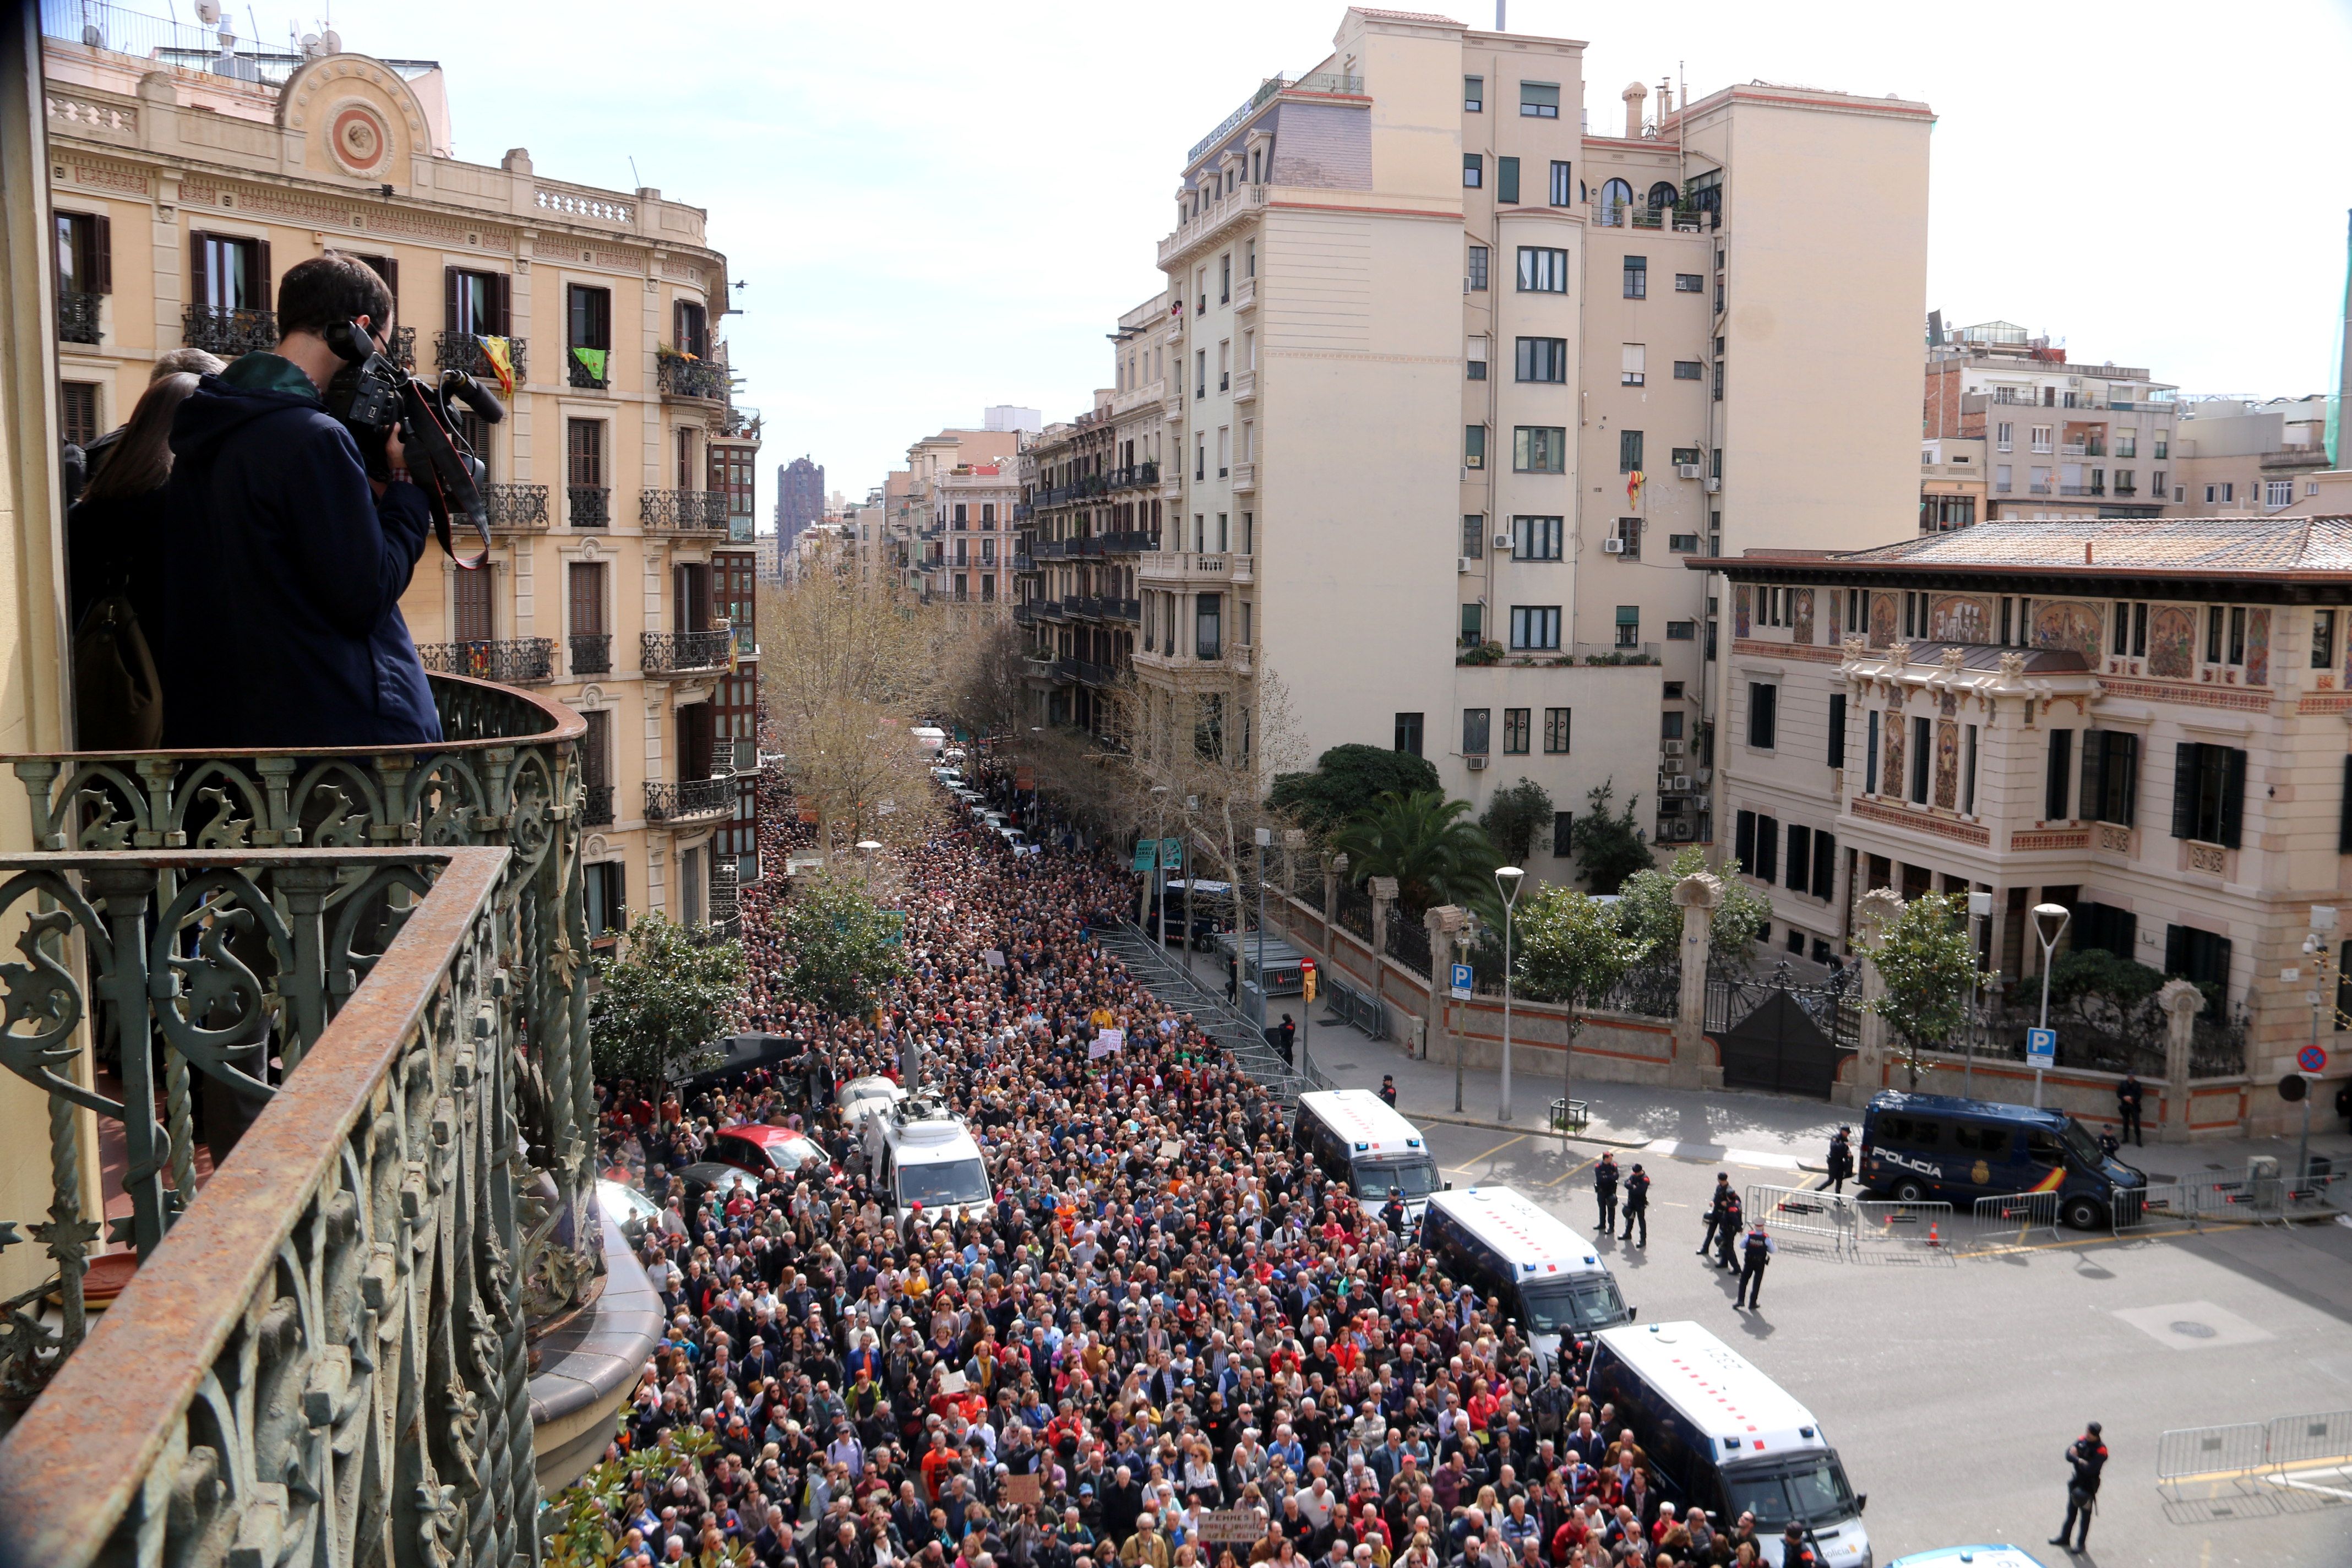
{"points": [[1578, 1172], [1716, 1154], [2080, 1241], [1489, 1154]]}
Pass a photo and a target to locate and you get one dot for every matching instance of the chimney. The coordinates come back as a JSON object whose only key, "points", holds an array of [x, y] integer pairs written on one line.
{"points": [[1665, 100], [1633, 95]]}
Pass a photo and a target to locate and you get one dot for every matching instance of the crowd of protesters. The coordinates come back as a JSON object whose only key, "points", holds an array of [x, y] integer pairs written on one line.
{"points": [[1169, 1342]]}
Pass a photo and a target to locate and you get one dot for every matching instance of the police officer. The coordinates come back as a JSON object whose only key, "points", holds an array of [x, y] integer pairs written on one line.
{"points": [[1714, 1211], [1393, 1213], [1754, 1257], [1727, 1234], [2085, 1458], [1637, 1205], [1841, 1158], [1388, 1085], [2128, 1094], [1604, 1189]]}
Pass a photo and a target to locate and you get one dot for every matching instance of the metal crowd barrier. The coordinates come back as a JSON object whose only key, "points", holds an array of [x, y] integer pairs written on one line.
{"points": [[2016, 1215], [2287, 1451], [1355, 1007], [1892, 1223], [1803, 1212]]}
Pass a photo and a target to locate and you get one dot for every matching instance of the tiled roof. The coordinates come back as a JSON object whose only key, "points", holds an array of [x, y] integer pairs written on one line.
{"points": [[1987, 656], [1408, 17], [2179, 546]]}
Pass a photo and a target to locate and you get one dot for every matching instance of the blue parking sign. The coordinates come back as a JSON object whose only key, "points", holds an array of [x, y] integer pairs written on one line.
{"points": [[2041, 1047], [1462, 982]]}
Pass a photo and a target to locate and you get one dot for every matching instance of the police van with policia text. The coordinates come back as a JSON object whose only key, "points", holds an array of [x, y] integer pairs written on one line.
{"points": [[1940, 1148], [1723, 1437], [1549, 1278]]}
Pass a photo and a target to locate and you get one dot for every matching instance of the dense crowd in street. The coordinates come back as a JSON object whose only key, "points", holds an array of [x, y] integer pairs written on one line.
{"points": [[1164, 1316]]}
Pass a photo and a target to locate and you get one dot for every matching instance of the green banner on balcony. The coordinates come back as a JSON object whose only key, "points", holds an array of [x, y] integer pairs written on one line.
{"points": [[591, 360]]}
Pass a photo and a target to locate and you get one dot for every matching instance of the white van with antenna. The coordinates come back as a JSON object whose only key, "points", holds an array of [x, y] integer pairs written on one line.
{"points": [[1549, 1278], [1357, 1137], [921, 1156], [1725, 1438]]}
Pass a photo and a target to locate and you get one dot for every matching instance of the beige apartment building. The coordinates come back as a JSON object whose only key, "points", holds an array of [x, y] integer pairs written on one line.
{"points": [[1455, 386], [950, 514], [620, 484], [2140, 720], [2240, 458], [2051, 438]]}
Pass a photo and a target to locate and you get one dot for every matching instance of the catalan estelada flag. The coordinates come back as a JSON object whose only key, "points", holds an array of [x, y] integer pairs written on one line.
{"points": [[501, 359]]}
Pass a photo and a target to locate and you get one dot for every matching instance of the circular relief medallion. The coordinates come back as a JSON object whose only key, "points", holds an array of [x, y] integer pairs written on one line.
{"points": [[359, 140]]}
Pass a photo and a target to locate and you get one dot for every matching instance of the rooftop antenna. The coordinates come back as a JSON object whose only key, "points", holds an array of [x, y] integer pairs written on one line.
{"points": [[636, 181], [1500, 26]]}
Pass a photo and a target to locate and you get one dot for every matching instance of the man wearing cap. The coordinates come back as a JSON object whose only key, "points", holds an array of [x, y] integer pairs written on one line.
{"points": [[1604, 1190], [1841, 1167], [2085, 1458], [1637, 1205], [1754, 1257]]}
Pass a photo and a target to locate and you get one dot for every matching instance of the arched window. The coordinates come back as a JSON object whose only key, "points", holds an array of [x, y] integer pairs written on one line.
{"points": [[1616, 197], [1663, 196]]}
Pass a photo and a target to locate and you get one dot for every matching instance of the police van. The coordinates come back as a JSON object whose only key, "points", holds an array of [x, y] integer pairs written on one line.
{"points": [[920, 1155], [1549, 1278], [1919, 1147], [1357, 1138], [1725, 1438]]}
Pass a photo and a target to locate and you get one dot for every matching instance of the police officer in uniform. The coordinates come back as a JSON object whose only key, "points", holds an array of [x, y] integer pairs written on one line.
{"points": [[1393, 1213], [2085, 1458], [1754, 1257], [2128, 1095], [1715, 1212], [1841, 1158], [1388, 1085], [1604, 1189], [1637, 1205], [1727, 1234]]}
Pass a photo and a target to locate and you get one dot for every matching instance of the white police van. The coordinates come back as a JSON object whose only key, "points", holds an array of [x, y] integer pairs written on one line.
{"points": [[1725, 1438], [1357, 1138], [1549, 1278]]}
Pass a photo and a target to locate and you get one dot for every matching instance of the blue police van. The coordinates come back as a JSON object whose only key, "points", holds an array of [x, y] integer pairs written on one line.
{"points": [[1938, 1147]]}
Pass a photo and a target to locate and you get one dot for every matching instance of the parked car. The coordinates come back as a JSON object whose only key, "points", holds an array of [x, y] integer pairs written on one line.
{"points": [[766, 1150], [624, 1206], [710, 1176]]}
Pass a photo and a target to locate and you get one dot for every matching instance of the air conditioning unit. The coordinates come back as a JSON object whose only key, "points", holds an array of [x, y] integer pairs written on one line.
{"points": [[1682, 784], [1682, 829], [1674, 748], [1713, 485], [1477, 761], [1501, 542], [1706, 777], [1469, 563], [1612, 547], [1688, 471]]}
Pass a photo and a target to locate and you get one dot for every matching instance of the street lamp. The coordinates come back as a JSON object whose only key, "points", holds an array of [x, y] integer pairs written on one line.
{"points": [[2323, 926], [1506, 883], [866, 847], [1979, 908], [2047, 935], [1159, 868], [1265, 836]]}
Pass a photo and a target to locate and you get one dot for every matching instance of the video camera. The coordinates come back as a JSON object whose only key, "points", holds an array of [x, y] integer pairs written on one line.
{"points": [[372, 396]]}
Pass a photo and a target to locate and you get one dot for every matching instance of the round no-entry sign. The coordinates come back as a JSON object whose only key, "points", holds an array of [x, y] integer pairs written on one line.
{"points": [[2311, 1059]]}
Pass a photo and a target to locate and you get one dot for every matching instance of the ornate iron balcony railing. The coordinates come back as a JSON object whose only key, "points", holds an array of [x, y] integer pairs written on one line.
{"points": [[523, 661], [78, 316], [689, 800], [376, 953], [578, 375], [516, 507], [691, 510], [697, 378], [596, 807], [217, 329], [683, 653], [464, 351], [591, 505], [592, 653]]}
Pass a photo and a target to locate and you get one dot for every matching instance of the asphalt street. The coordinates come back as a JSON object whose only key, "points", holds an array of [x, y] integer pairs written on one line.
{"points": [[1952, 1380]]}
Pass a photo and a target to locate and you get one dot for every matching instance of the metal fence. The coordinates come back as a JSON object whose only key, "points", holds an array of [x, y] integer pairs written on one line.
{"points": [[1835, 1006], [1355, 911], [2015, 1215], [2263, 1453], [1649, 991], [1356, 1009], [1408, 944], [2256, 1197], [1167, 978], [1801, 1211]]}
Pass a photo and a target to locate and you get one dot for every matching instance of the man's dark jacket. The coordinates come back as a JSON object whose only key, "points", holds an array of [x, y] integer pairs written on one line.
{"points": [[283, 573]]}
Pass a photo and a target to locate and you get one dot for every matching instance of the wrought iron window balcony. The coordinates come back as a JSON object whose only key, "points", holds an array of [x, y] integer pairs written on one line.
{"points": [[591, 654], [523, 661], [689, 800], [684, 653], [579, 375], [596, 805], [591, 505], [464, 351], [403, 349], [220, 330], [516, 507], [685, 511], [700, 379], [78, 316], [367, 946]]}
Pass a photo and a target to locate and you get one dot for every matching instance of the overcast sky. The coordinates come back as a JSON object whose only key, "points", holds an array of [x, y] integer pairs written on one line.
{"points": [[936, 207]]}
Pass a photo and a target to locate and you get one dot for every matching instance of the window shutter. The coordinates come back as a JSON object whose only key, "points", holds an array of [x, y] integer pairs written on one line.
{"points": [[1824, 865], [2176, 948], [199, 276], [451, 321], [1745, 846], [2234, 797], [2344, 822], [266, 290], [2123, 756], [388, 269], [2184, 792], [1768, 848], [1801, 857], [678, 327], [502, 302], [102, 255], [1837, 730], [2089, 804]]}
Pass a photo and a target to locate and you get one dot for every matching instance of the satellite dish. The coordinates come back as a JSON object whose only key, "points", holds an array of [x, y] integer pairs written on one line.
{"points": [[209, 12], [331, 41], [310, 49], [93, 37]]}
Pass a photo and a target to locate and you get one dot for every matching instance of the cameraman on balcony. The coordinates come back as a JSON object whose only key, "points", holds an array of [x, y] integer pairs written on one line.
{"points": [[284, 562]]}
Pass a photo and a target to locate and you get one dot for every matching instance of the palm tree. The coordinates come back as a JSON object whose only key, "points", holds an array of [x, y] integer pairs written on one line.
{"points": [[1426, 843]]}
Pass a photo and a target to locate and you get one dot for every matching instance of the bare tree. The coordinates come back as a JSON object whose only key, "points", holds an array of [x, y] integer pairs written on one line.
{"points": [[986, 687]]}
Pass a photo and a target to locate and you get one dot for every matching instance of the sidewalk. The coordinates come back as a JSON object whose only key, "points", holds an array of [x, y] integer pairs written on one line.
{"points": [[1694, 1124]]}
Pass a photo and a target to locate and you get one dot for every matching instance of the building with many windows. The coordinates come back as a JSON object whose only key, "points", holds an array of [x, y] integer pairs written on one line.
{"points": [[620, 483], [2240, 458], [2140, 720], [1455, 386], [800, 497]]}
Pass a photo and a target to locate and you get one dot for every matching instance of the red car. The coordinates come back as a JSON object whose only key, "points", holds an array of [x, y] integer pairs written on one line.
{"points": [[765, 1151]]}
